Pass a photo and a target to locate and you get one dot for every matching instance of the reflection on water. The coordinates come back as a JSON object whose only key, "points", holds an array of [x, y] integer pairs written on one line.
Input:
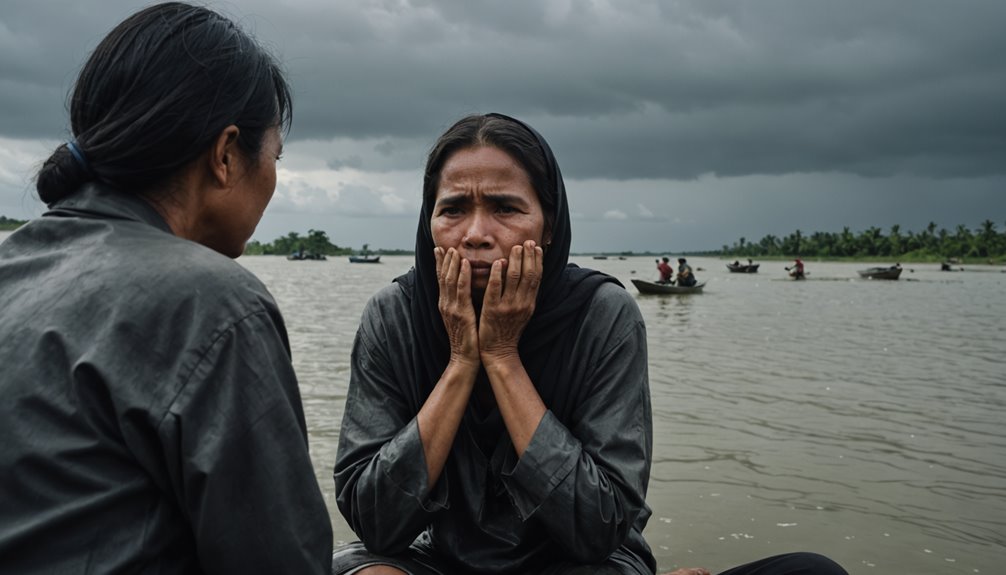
{"points": [[858, 418]]}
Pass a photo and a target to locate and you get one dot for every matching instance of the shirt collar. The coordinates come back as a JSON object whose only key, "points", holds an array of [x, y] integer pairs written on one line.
{"points": [[96, 200]]}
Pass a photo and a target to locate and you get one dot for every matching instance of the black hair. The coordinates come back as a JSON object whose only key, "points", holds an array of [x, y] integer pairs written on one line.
{"points": [[501, 132], [154, 95]]}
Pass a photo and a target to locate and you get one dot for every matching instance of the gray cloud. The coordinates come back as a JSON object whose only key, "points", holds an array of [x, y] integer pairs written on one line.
{"points": [[901, 91]]}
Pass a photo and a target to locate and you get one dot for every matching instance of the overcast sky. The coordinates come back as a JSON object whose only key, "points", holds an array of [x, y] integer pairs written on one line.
{"points": [[678, 125]]}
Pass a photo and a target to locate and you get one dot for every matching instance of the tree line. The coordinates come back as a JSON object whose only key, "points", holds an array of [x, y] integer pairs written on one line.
{"points": [[316, 242], [930, 244], [9, 224]]}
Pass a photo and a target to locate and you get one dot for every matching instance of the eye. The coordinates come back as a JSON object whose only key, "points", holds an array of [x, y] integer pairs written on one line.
{"points": [[505, 209], [449, 211]]}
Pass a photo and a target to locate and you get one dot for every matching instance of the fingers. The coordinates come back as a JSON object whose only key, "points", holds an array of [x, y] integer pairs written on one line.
{"points": [[523, 271], [454, 275], [494, 288]]}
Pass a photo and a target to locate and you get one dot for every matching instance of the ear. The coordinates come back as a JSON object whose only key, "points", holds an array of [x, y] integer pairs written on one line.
{"points": [[225, 156]]}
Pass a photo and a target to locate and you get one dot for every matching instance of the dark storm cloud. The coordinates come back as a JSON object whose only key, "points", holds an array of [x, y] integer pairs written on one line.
{"points": [[621, 89]]}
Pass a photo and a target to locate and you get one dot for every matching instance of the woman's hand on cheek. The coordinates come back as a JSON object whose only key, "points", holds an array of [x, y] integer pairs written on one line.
{"points": [[509, 301], [454, 276]]}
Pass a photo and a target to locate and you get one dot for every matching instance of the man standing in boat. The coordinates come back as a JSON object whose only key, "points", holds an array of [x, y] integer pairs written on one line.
{"points": [[666, 271]]}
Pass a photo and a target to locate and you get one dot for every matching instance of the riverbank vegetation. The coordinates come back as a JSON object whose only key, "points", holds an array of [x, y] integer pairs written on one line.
{"points": [[315, 242], [9, 225], [982, 245]]}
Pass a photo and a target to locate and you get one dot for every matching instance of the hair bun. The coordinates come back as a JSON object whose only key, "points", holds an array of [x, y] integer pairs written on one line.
{"points": [[60, 176]]}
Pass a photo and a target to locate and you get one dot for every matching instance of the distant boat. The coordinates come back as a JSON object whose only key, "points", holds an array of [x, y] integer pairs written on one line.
{"points": [[891, 273], [743, 268], [600, 257], [365, 257], [305, 256], [658, 288]]}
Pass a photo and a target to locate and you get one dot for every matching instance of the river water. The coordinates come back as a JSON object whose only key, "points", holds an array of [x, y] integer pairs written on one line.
{"points": [[860, 419]]}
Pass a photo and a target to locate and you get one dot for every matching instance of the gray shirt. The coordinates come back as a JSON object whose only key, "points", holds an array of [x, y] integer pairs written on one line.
{"points": [[151, 420], [578, 492]]}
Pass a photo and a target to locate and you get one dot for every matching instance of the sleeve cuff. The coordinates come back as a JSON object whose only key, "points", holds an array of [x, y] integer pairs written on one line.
{"points": [[403, 454], [548, 459]]}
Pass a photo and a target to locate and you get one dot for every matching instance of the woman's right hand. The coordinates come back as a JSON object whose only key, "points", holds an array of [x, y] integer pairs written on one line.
{"points": [[454, 276]]}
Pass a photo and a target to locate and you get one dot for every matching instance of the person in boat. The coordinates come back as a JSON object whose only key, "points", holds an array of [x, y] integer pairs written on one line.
{"points": [[796, 271], [151, 419], [686, 278], [666, 271], [498, 413]]}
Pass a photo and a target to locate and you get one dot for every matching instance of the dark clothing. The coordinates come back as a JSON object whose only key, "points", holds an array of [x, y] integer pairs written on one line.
{"points": [[151, 420], [789, 564], [575, 497], [685, 276]]}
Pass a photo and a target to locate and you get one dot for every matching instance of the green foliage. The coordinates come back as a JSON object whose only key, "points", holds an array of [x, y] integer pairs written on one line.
{"points": [[983, 244], [315, 242], [8, 224]]}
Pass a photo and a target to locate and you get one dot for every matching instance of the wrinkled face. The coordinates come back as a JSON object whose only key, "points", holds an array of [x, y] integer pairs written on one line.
{"points": [[244, 204], [484, 206]]}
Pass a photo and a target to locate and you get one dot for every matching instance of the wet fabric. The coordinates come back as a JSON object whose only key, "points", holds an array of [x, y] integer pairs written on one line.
{"points": [[577, 494], [151, 420]]}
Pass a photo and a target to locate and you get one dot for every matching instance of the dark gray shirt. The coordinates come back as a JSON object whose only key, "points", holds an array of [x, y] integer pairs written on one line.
{"points": [[151, 420], [577, 494]]}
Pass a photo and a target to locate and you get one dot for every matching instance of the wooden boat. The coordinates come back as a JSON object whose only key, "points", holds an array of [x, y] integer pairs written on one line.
{"points": [[743, 268], [891, 273], [646, 287], [306, 256], [365, 257]]}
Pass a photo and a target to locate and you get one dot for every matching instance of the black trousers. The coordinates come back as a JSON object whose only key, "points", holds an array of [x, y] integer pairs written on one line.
{"points": [[790, 564], [349, 560]]}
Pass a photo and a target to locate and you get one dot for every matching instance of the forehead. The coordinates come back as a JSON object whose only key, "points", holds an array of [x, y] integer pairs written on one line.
{"points": [[483, 168]]}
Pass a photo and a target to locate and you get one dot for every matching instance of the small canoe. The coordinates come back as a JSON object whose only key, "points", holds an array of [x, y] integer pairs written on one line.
{"points": [[658, 288], [891, 273], [364, 259], [743, 268]]}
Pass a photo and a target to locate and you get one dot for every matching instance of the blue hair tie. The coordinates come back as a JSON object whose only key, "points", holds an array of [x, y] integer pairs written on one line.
{"points": [[79, 156]]}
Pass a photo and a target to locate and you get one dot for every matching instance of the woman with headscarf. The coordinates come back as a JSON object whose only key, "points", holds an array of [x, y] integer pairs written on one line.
{"points": [[498, 415], [151, 419]]}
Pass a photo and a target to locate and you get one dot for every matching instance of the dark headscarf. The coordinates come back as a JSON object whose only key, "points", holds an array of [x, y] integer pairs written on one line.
{"points": [[565, 292]]}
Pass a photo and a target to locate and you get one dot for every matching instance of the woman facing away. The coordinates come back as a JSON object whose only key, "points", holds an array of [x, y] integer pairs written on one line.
{"points": [[498, 415], [151, 419]]}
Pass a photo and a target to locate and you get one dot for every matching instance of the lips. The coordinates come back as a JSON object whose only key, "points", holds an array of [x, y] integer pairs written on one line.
{"points": [[480, 268]]}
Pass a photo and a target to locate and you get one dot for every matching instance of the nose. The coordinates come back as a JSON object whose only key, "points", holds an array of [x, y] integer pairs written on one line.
{"points": [[477, 234]]}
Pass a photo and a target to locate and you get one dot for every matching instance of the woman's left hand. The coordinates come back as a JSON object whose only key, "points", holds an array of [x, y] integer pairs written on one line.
{"points": [[509, 301]]}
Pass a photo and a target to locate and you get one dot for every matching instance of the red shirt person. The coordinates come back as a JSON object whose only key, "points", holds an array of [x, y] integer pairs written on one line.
{"points": [[666, 271]]}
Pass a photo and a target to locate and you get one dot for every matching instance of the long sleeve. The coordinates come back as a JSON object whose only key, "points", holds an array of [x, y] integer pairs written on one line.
{"points": [[586, 482], [380, 470], [235, 446]]}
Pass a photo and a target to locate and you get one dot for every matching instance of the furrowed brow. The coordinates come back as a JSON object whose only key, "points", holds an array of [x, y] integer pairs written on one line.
{"points": [[504, 198]]}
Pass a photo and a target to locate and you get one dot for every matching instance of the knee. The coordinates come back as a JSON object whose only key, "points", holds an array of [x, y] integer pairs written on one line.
{"points": [[817, 564]]}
